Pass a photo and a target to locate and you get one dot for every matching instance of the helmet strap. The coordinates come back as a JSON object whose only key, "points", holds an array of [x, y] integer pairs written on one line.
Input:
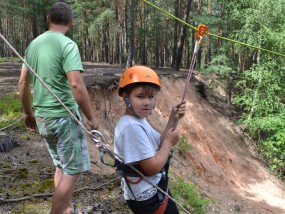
{"points": [[129, 105]]}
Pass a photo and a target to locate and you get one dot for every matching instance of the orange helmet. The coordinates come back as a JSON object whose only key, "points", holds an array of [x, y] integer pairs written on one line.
{"points": [[138, 74]]}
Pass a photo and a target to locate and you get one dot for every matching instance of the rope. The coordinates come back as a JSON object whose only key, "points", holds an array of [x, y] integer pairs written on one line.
{"points": [[213, 35], [102, 144], [12, 124]]}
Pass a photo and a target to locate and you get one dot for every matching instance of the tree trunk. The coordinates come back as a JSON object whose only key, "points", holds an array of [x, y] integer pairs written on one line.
{"points": [[117, 39], [144, 52], [1, 31], [258, 86], [229, 92], [200, 7], [220, 32], [207, 38], [182, 35], [34, 20], [199, 56], [175, 36], [126, 26], [193, 41], [106, 41], [132, 18], [157, 41]]}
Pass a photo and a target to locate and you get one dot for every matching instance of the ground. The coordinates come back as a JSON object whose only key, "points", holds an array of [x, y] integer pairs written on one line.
{"points": [[223, 163]]}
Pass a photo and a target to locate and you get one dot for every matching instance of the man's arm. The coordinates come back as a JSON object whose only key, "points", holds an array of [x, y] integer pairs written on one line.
{"points": [[25, 98], [81, 96]]}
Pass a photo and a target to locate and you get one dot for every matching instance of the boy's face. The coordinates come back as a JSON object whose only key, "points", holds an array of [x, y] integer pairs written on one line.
{"points": [[142, 101]]}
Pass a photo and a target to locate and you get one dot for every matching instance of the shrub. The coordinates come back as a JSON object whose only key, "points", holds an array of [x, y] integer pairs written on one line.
{"points": [[183, 146], [186, 193]]}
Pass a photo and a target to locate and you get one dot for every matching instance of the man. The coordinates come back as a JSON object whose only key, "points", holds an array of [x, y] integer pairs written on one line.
{"points": [[56, 59]]}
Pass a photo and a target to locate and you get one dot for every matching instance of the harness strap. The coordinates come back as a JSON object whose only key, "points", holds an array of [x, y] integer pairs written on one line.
{"points": [[163, 205], [123, 169], [133, 182]]}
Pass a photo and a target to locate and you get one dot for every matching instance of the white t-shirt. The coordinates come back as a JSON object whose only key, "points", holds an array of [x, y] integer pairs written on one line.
{"points": [[136, 140]]}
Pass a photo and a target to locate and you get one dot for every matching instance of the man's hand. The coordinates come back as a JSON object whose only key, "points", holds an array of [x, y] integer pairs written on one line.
{"points": [[30, 123], [93, 124]]}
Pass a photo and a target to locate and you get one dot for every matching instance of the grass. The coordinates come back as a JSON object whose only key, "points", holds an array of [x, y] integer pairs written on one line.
{"points": [[183, 146], [187, 195], [6, 59], [10, 110]]}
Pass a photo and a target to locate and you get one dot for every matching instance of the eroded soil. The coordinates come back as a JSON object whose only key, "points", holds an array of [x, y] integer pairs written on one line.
{"points": [[222, 163]]}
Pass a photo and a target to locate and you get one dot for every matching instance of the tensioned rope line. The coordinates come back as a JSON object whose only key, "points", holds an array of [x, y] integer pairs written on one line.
{"points": [[12, 124], [210, 34], [102, 144]]}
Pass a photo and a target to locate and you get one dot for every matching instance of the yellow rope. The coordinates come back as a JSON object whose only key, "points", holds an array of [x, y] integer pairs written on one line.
{"points": [[210, 34]]}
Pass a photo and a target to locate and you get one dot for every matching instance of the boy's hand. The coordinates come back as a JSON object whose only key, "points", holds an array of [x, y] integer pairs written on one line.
{"points": [[181, 108], [177, 113], [172, 136]]}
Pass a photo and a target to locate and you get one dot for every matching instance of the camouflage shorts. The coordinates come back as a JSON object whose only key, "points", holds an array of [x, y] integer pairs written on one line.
{"points": [[66, 142]]}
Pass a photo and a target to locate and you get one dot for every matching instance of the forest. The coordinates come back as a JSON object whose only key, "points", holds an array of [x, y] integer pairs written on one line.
{"points": [[249, 63]]}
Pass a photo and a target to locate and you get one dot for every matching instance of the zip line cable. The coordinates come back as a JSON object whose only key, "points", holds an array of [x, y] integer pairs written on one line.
{"points": [[95, 135], [210, 34]]}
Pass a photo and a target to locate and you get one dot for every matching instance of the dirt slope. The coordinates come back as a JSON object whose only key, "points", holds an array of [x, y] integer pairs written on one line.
{"points": [[222, 162]]}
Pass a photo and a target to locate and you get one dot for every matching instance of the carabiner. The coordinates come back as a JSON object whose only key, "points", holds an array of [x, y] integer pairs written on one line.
{"points": [[97, 137]]}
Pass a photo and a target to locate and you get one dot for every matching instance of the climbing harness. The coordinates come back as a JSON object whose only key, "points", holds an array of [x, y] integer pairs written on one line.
{"points": [[125, 171], [95, 135], [213, 35]]}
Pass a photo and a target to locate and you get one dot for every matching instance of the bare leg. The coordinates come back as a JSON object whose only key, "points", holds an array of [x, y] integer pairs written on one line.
{"points": [[57, 176], [64, 188]]}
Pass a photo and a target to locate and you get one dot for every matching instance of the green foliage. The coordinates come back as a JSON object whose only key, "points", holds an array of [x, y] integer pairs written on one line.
{"points": [[10, 110], [183, 146], [262, 99], [187, 194], [6, 59], [262, 90], [220, 64], [270, 132], [261, 128], [274, 150]]}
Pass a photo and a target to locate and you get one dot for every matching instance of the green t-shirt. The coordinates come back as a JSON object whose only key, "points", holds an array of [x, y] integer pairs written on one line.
{"points": [[52, 55]]}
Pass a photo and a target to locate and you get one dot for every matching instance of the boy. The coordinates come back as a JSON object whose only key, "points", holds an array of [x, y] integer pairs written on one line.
{"points": [[142, 146], [55, 58]]}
